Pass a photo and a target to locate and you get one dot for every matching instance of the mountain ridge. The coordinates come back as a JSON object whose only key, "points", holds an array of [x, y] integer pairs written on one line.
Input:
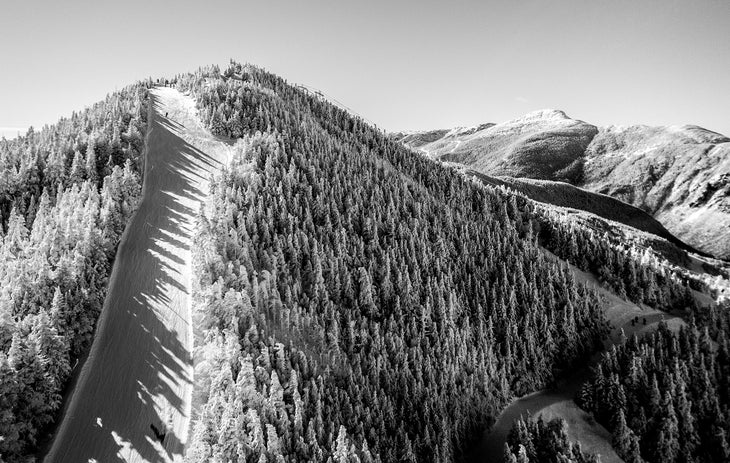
{"points": [[680, 175]]}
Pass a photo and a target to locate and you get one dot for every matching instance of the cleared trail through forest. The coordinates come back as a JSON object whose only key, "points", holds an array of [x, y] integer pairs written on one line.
{"points": [[136, 384], [558, 402]]}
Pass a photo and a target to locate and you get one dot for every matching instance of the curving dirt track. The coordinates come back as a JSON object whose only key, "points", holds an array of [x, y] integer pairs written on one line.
{"points": [[138, 375], [558, 402]]}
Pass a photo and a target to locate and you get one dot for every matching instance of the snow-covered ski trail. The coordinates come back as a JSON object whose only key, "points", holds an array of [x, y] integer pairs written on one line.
{"points": [[132, 399]]}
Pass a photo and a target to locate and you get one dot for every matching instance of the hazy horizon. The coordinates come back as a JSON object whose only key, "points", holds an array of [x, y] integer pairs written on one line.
{"points": [[404, 66]]}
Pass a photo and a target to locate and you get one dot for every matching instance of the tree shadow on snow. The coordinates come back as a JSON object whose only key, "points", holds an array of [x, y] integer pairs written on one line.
{"points": [[140, 363]]}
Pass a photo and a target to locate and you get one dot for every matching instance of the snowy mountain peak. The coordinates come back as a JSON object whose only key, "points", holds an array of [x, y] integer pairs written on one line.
{"points": [[542, 114]]}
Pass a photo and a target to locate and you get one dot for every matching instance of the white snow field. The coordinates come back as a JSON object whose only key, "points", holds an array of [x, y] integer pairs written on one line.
{"points": [[136, 384]]}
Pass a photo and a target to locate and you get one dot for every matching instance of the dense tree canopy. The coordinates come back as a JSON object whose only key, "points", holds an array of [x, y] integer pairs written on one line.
{"points": [[360, 302], [666, 397], [638, 275], [66, 193], [538, 441]]}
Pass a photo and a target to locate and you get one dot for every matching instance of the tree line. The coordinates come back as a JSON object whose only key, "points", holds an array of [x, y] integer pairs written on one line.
{"points": [[635, 274]]}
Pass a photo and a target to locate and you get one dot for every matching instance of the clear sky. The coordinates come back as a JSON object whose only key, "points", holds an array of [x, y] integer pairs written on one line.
{"points": [[405, 65]]}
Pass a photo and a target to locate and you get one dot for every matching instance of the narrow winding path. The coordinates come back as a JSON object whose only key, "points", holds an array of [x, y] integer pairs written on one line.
{"points": [[136, 384]]}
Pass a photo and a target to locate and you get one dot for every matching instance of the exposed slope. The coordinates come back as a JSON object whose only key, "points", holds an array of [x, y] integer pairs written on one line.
{"points": [[138, 373], [680, 175]]}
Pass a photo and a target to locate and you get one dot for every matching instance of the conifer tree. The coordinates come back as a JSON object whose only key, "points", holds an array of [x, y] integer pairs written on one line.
{"points": [[90, 167], [78, 170]]}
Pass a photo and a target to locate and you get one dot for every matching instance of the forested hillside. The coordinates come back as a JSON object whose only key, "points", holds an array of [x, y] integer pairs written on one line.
{"points": [[566, 195], [666, 397], [360, 301], [66, 193]]}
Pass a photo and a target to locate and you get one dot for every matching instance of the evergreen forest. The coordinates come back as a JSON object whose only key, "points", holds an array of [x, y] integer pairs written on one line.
{"points": [[66, 193]]}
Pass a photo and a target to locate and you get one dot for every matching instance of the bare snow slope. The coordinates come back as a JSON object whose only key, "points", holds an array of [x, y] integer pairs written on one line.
{"points": [[139, 370], [679, 175]]}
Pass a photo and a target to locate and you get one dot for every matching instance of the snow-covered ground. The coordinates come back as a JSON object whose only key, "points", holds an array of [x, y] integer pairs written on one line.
{"points": [[136, 384]]}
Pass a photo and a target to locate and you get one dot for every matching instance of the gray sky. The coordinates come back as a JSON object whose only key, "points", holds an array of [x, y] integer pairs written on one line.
{"points": [[405, 65]]}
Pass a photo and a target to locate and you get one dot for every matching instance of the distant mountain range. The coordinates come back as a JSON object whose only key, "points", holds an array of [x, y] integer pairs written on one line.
{"points": [[678, 175]]}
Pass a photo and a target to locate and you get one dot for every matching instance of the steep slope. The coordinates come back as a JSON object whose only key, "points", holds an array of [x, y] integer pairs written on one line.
{"points": [[679, 175], [132, 399], [358, 300]]}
